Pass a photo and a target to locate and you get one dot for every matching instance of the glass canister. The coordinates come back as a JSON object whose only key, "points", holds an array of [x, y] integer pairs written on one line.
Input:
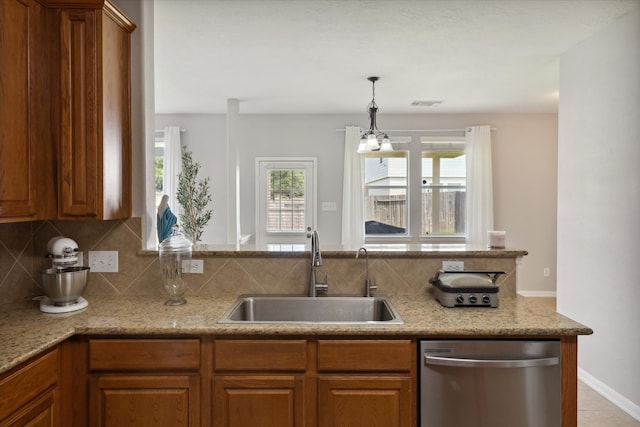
{"points": [[173, 251]]}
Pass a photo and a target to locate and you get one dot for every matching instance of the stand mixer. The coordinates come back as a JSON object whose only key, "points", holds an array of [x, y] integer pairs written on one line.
{"points": [[64, 283]]}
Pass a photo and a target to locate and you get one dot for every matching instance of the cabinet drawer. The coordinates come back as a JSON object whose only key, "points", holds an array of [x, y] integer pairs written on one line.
{"points": [[260, 355], [28, 382], [149, 355], [370, 356]]}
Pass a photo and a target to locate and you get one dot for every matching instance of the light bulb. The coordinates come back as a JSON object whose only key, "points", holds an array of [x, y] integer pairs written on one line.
{"points": [[362, 147], [386, 145], [372, 142]]}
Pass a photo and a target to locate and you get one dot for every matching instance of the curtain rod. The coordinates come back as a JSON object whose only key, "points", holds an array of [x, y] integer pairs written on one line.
{"points": [[422, 130], [162, 130]]}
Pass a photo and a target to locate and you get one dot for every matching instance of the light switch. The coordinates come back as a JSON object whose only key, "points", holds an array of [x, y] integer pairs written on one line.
{"points": [[103, 261], [329, 206]]}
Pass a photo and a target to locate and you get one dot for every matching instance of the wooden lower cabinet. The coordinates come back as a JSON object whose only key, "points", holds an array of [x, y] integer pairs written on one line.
{"points": [[261, 383], [259, 401], [366, 383], [324, 383], [353, 401], [30, 396], [145, 400], [40, 412], [144, 382]]}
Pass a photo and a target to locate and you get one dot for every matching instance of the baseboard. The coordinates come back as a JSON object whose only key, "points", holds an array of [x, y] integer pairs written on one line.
{"points": [[538, 294], [610, 394]]}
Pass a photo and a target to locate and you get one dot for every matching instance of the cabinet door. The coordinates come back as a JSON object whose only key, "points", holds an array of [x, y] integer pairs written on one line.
{"points": [[78, 157], [258, 401], [364, 401], [95, 133], [141, 401], [40, 412], [26, 140], [21, 392]]}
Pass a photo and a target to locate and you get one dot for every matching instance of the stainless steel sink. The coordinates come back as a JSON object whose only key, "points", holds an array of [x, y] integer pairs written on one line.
{"points": [[376, 310]]}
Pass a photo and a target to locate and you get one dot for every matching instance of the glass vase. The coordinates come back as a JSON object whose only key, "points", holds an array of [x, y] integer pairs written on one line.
{"points": [[173, 251]]}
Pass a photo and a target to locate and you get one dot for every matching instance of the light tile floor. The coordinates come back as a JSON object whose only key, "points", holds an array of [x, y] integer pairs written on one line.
{"points": [[596, 411], [593, 409]]}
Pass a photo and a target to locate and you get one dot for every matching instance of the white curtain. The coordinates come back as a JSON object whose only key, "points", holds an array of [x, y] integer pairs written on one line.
{"points": [[352, 191], [172, 165], [479, 205]]}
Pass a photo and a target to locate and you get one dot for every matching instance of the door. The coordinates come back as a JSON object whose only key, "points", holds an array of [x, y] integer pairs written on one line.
{"points": [[144, 400], [258, 401], [358, 401], [27, 99], [285, 199], [508, 383]]}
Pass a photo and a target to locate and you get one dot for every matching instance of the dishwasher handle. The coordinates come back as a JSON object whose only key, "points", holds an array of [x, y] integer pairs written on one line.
{"points": [[491, 363]]}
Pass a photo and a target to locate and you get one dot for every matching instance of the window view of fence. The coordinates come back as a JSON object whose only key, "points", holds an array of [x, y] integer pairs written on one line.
{"points": [[443, 191], [286, 200], [442, 196], [385, 194]]}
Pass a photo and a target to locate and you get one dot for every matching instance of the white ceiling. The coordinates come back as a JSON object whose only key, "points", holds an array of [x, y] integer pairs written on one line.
{"points": [[314, 56]]}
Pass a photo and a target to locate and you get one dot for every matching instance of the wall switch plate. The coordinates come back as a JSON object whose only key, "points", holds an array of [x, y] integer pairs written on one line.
{"points": [[453, 265], [329, 206], [103, 261], [194, 266]]}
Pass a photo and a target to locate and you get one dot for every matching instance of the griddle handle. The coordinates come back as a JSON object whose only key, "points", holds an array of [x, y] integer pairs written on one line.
{"points": [[492, 274]]}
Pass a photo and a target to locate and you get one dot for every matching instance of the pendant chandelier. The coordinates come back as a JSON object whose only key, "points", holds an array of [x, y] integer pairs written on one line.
{"points": [[373, 139]]}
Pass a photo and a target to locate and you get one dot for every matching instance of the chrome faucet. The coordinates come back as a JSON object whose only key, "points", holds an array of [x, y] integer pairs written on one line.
{"points": [[368, 287], [316, 261]]}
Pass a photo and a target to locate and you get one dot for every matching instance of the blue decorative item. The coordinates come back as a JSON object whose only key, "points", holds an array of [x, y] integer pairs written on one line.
{"points": [[166, 219]]}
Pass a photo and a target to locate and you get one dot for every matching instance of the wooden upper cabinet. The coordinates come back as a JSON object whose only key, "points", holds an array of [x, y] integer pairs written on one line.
{"points": [[65, 110], [27, 186], [94, 158]]}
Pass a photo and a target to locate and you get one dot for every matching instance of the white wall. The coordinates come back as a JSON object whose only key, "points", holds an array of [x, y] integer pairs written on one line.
{"points": [[524, 161], [599, 204], [206, 138]]}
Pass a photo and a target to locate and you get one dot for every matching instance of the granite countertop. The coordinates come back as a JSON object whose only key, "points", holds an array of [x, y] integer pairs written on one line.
{"points": [[378, 250], [25, 331]]}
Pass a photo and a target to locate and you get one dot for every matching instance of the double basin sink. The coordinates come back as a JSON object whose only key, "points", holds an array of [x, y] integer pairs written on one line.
{"points": [[376, 310]]}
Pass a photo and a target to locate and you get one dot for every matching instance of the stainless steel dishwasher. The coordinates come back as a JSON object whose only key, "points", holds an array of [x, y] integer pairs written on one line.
{"points": [[490, 383]]}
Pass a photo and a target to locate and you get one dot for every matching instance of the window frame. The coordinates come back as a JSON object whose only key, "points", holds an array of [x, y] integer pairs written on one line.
{"points": [[413, 145]]}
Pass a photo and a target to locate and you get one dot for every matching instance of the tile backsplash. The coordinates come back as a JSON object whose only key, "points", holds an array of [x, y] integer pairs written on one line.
{"points": [[23, 255]]}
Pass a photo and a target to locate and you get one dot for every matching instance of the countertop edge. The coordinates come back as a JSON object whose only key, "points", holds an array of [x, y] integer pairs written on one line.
{"points": [[27, 332]]}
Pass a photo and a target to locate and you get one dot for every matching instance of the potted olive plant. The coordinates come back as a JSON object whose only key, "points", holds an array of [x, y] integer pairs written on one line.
{"points": [[194, 196]]}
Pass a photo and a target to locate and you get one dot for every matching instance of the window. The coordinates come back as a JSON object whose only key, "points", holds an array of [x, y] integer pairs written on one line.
{"points": [[385, 193], [416, 193], [285, 202], [443, 188], [285, 199], [158, 167]]}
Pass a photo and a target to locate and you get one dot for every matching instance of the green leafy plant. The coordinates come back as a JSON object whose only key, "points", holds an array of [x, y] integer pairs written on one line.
{"points": [[194, 196]]}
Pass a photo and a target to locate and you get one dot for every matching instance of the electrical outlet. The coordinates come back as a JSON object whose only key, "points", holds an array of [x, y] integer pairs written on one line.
{"points": [[103, 261], [196, 266], [546, 272], [193, 266], [453, 265]]}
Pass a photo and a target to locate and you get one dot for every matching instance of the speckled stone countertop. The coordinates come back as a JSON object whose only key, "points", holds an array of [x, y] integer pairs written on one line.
{"points": [[25, 331], [375, 250]]}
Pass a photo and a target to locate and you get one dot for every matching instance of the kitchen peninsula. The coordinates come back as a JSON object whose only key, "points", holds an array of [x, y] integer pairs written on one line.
{"points": [[124, 344]]}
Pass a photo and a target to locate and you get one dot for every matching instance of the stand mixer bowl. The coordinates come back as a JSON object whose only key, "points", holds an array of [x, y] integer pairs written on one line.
{"points": [[63, 286]]}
